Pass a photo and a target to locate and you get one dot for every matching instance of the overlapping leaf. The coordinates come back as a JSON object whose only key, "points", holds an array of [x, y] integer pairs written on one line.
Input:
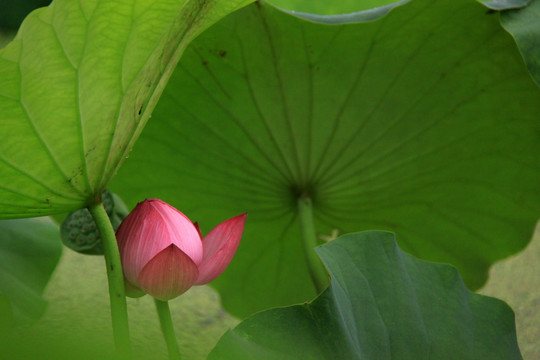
{"points": [[77, 86], [29, 252], [424, 122], [329, 7], [382, 304], [524, 25], [505, 4]]}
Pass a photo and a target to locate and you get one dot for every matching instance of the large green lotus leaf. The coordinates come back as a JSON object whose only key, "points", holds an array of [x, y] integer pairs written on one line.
{"points": [[77, 86], [29, 252], [382, 304], [524, 25], [424, 122]]}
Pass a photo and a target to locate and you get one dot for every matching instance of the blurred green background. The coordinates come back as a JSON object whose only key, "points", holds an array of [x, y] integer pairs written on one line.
{"points": [[516, 280], [13, 12], [77, 320]]}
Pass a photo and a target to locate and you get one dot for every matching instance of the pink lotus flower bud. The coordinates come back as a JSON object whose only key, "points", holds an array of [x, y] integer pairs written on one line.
{"points": [[163, 252]]}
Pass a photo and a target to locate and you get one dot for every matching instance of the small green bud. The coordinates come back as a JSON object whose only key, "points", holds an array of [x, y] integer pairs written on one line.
{"points": [[79, 231]]}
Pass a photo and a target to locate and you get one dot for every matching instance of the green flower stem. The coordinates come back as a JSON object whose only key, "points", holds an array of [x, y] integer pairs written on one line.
{"points": [[167, 328], [317, 271], [116, 280]]}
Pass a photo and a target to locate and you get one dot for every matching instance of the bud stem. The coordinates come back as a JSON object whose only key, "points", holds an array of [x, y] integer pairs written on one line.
{"points": [[317, 271], [116, 281], [167, 328]]}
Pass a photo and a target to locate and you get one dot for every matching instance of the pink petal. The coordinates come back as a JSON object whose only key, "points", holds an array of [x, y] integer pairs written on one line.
{"points": [[219, 246], [186, 236], [169, 274], [196, 224], [151, 227]]}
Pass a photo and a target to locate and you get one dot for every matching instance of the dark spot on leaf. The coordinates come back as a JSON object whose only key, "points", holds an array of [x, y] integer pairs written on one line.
{"points": [[88, 152], [204, 62], [222, 53]]}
